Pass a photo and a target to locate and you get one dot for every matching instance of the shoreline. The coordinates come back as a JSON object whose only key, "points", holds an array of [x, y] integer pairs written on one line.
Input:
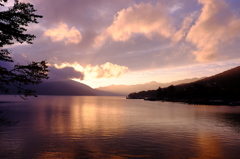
{"points": [[195, 102]]}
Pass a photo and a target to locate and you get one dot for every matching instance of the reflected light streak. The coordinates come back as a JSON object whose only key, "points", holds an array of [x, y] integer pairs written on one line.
{"points": [[56, 155], [86, 117], [209, 146]]}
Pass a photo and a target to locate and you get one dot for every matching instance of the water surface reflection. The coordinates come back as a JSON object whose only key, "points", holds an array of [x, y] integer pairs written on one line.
{"points": [[113, 127]]}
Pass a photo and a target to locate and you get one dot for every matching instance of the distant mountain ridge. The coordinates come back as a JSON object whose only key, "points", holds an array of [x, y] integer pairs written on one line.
{"points": [[74, 88], [230, 77], [63, 88], [66, 88], [126, 89], [69, 87], [220, 89]]}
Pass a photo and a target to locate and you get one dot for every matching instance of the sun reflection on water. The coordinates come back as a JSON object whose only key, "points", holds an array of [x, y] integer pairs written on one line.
{"points": [[112, 127]]}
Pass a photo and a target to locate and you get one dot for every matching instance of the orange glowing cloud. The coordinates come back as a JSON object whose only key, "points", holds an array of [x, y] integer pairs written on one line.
{"points": [[107, 70], [63, 33], [216, 25], [140, 19], [186, 25]]}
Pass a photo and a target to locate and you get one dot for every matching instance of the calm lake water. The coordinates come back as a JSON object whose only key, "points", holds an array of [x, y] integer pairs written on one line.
{"points": [[114, 127]]}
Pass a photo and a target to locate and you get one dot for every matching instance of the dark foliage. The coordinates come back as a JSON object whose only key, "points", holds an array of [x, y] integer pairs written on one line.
{"points": [[13, 23], [142, 94], [223, 88]]}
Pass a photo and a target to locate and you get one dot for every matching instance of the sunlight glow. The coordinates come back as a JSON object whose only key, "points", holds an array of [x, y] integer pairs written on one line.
{"points": [[162, 75], [63, 33]]}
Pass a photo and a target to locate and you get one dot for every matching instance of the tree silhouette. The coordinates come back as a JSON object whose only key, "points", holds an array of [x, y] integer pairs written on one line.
{"points": [[159, 93], [13, 23]]}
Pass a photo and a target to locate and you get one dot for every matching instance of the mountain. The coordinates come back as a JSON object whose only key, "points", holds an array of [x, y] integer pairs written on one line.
{"points": [[229, 78], [63, 88], [126, 89], [222, 88], [68, 87]]}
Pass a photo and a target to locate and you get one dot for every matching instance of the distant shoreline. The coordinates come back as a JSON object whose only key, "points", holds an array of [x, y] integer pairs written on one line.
{"points": [[197, 102]]}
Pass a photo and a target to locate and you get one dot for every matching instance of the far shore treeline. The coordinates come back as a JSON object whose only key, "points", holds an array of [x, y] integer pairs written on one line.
{"points": [[220, 89]]}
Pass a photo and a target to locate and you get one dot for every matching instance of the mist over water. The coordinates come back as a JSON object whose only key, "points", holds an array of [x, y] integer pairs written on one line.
{"points": [[113, 127]]}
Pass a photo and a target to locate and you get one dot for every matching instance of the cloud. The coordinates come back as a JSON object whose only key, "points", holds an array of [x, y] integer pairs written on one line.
{"points": [[93, 14], [142, 19], [182, 32], [63, 33], [64, 73], [216, 26], [107, 70], [139, 35], [176, 7]]}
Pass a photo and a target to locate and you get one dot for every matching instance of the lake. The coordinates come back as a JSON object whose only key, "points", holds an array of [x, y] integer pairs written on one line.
{"points": [[114, 127]]}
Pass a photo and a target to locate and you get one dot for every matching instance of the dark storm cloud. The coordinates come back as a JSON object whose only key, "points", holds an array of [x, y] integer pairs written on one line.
{"points": [[65, 73]]}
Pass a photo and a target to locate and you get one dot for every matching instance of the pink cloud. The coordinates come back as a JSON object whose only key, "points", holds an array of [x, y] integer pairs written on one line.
{"points": [[216, 25], [107, 70], [142, 18], [63, 33], [182, 32]]}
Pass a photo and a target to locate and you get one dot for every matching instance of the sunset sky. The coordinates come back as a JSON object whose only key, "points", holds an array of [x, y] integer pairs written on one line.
{"points": [[104, 42]]}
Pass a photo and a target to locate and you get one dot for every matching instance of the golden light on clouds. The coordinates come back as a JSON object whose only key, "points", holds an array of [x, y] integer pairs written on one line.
{"points": [[107, 70], [144, 19], [182, 32], [63, 33], [139, 40], [215, 25], [141, 18]]}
